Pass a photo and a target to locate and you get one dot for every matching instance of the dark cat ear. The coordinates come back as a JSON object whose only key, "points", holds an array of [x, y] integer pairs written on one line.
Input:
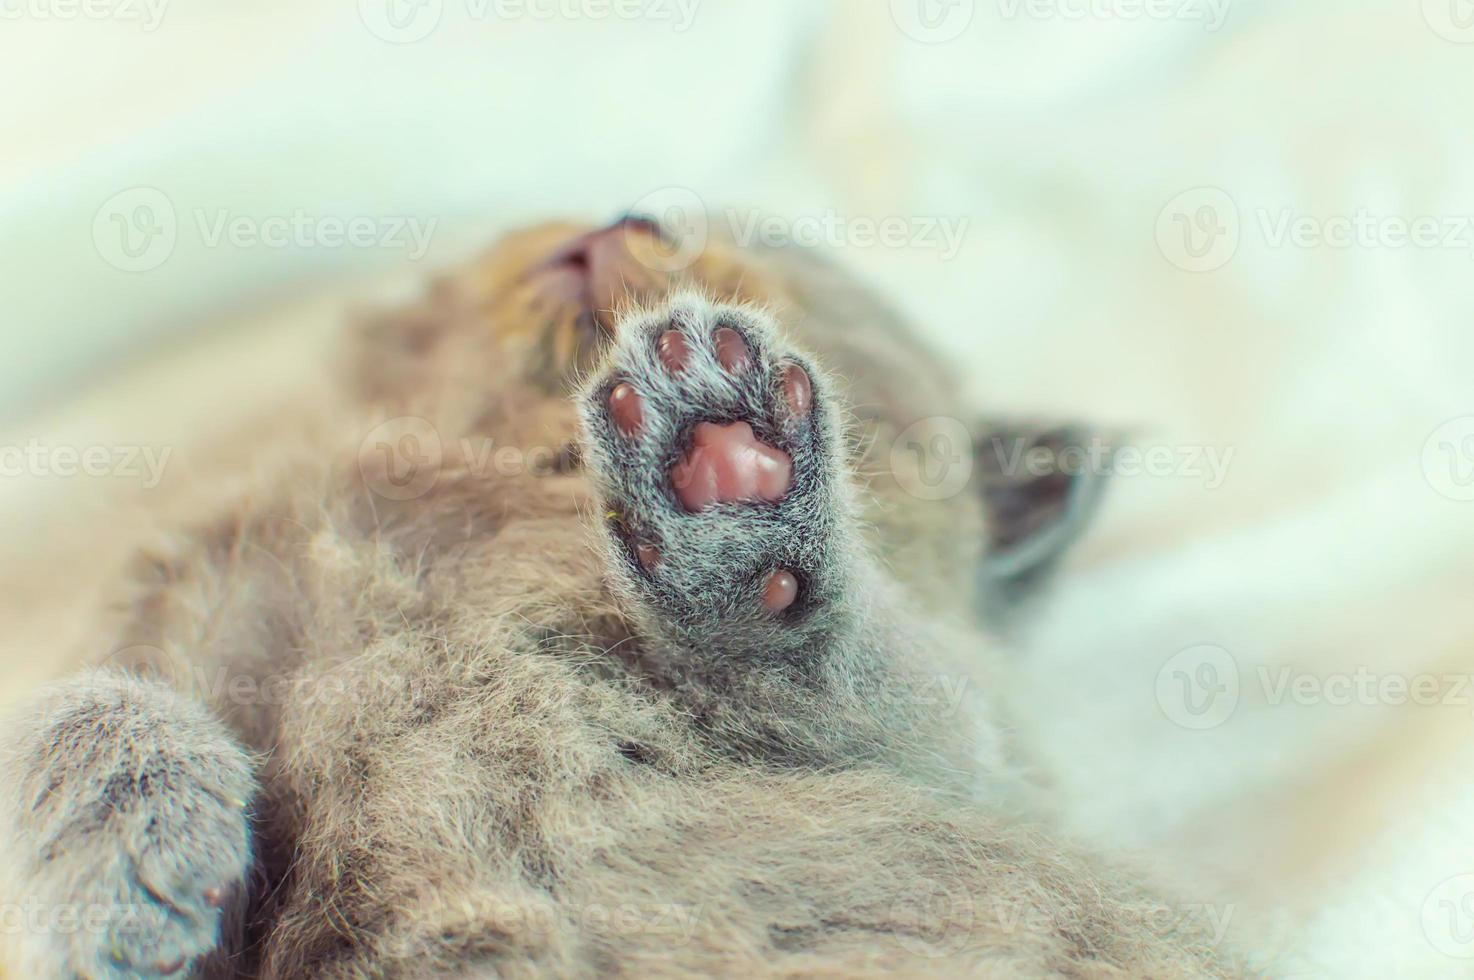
{"points": [[1040, 484]]}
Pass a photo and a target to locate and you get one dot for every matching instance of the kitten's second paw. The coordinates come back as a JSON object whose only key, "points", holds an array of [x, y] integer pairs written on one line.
{"points": [[126, 826], [716, 451]]}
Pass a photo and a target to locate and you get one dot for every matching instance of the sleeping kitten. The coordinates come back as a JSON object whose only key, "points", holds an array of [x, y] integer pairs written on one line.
{"points": [[677, 674]]}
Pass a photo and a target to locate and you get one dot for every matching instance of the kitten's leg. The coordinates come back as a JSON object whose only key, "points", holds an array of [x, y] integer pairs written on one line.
{"points": [[717, 454], [730, 534], [124, 832]]}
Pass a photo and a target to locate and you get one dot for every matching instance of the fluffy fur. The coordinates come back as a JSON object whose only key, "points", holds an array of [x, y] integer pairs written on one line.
{"points": [[480, 745]]}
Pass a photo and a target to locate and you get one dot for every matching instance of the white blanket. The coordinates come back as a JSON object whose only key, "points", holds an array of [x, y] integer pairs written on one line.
{"points": [[1240, 229]]}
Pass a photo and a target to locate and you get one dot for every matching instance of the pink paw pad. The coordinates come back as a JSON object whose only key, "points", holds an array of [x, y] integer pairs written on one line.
{"points": [[627, 409], [673, 351], [732, 352], [798, 391], [648, 556], [726, 464], [779, 591]]}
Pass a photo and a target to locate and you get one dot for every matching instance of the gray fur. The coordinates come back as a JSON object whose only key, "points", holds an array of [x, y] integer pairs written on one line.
{"points": [[836, 659], [122, 803], [494, 750]]}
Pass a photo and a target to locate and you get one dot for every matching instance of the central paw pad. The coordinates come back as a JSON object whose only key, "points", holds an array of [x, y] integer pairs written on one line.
{"points": [[727, 464], [717, 459]]}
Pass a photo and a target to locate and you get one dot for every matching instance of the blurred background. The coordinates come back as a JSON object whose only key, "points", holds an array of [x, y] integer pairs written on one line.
{"points": [[1241, 229]]}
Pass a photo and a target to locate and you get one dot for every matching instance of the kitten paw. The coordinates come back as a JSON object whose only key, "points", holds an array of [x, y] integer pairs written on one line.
{"points": [[125, 822], [716, 451]]}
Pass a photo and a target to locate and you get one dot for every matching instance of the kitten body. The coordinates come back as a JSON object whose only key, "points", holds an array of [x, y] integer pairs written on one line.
{"points": [[410, 704]]}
